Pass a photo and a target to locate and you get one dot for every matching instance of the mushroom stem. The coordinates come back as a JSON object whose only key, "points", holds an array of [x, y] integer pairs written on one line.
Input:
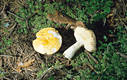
{"points": [[69, 53]]}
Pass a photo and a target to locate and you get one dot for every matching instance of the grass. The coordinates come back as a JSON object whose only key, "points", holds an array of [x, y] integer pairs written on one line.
{"points": [[111, 50]]}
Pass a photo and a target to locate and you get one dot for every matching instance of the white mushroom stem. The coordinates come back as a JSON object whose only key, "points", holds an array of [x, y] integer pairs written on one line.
{"points": [[69, 53]]}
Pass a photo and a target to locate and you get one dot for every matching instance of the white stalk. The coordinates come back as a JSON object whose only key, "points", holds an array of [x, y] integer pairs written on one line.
{"points": [[69, 53]]}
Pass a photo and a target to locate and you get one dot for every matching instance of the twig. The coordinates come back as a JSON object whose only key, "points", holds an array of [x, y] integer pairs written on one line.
{"points": [[3, 12], [12, 29], [122, 55], [27, 24], [122, 19], [6, 78], [124, 7], [31, 15], [123, 23], [92, 68], [45, 72], [27, 20], [29, 55], [15, 15], [91, 57], [2, 9], [6, 56], [49, 70]]}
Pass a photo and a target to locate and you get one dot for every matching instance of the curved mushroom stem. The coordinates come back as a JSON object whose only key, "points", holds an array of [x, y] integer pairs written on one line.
{"points": [[69, 53]]}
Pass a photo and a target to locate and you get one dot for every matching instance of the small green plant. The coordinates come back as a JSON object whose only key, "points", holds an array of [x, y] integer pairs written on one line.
{"points": [[47, 69], [51, 78], [5, 43], [2, 73]]}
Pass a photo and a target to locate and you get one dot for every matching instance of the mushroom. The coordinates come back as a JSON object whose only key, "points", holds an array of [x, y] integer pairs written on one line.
{"points": [[48, 41], [84, 37]]}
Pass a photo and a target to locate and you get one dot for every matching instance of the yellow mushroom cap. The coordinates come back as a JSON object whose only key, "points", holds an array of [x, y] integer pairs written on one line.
{"points": [[48, 41]]}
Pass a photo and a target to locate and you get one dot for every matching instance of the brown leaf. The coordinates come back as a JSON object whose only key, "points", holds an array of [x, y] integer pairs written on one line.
{"points": [[27, 64], [24, 65]]}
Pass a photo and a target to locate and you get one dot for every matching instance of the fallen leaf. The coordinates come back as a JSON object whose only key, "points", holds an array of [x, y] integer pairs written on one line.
{"points": [[24, 65], [27, 64]]}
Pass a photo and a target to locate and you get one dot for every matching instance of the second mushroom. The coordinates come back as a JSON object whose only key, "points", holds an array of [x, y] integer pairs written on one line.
{"points": [[84, 37]]}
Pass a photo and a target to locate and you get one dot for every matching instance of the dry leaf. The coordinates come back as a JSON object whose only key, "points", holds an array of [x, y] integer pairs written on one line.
{"points": [[27, 64], [24, 65]]}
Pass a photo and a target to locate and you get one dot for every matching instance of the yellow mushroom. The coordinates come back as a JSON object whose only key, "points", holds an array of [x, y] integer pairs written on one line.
{"points": [[48, 41]]}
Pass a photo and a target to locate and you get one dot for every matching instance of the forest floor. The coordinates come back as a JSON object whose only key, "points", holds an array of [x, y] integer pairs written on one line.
{"points": [[18, 59]]}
